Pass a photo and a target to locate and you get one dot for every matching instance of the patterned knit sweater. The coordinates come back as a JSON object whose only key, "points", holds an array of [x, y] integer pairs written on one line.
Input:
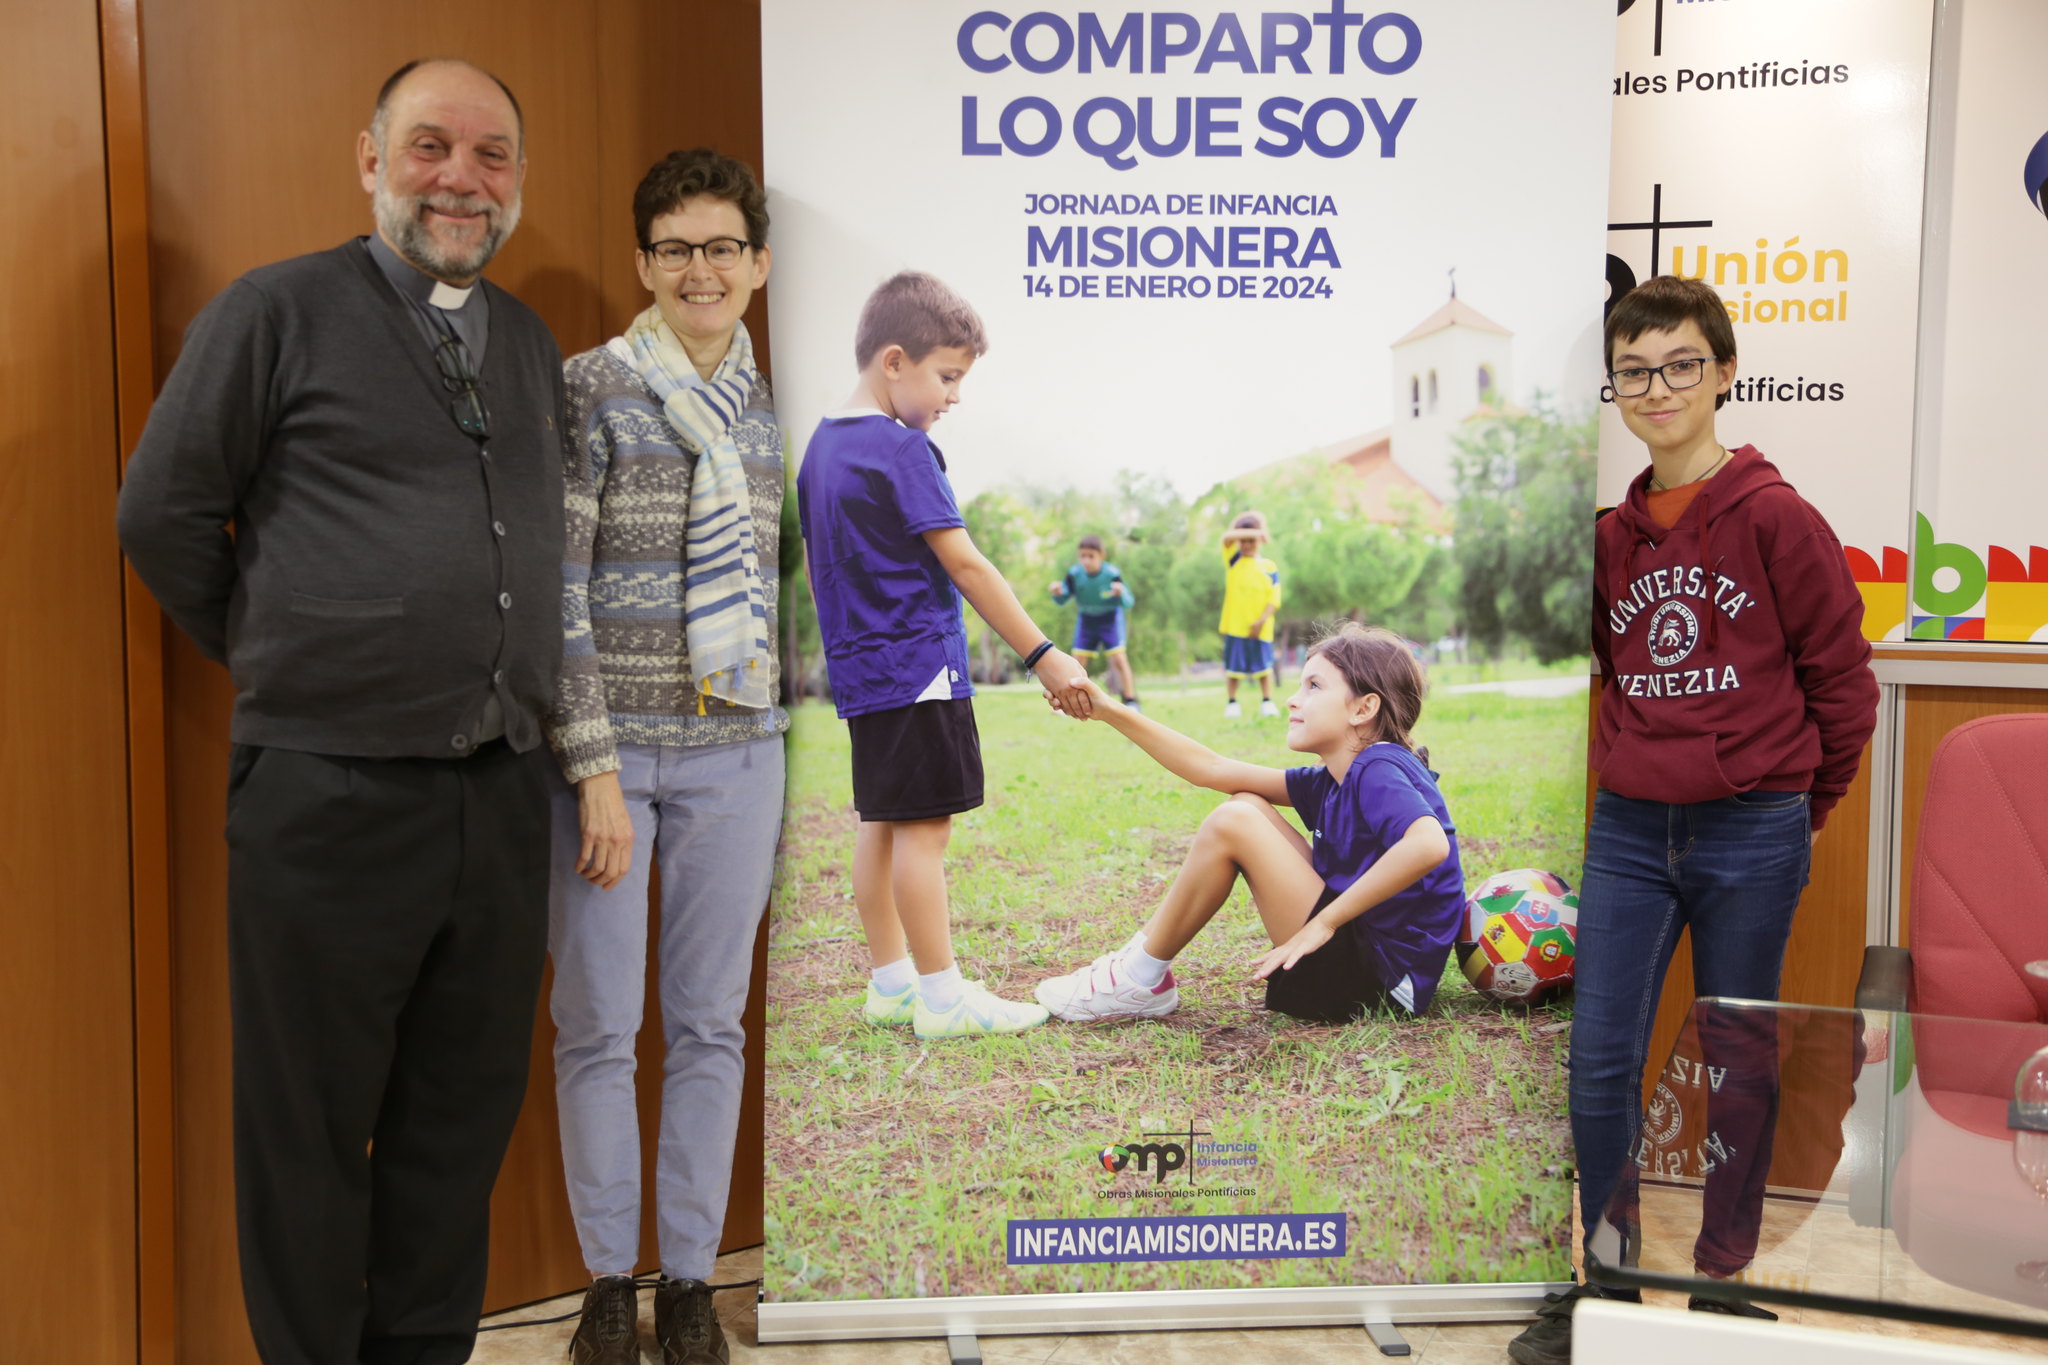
{"points": [[626, 483]]}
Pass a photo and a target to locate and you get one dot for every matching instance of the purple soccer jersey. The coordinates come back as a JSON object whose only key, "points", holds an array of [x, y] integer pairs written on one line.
{"points": [[1353, 823], [868, 490]]}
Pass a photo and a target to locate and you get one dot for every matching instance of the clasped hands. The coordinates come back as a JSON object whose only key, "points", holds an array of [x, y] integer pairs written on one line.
{"points": [[1078, 698]]}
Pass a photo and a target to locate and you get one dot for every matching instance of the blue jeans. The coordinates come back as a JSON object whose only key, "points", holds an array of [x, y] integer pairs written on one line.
{"points": [[1730, 870]]}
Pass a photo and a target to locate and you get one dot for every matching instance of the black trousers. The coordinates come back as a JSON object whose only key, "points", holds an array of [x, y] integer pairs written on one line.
{"points": [[387, 922]]}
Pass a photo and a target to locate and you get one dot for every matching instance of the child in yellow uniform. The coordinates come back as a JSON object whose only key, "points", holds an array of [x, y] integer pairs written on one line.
{"points": [[1251, 598]]}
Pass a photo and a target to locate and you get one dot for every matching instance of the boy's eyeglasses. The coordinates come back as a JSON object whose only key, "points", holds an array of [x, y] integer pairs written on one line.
{"points": [[1634, 381], [458, 375], [675, 254]]}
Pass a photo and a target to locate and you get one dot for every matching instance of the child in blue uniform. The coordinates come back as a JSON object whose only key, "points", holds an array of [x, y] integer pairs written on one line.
{"points": [[1099, 590], [890, 559], [1361, 917]]}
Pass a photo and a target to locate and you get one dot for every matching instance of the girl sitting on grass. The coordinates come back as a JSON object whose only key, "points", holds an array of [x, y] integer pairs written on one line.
{"points": [[1362, 916]]}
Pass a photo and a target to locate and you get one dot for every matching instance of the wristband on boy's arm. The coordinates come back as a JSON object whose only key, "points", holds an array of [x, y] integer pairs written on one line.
{"points": [[1031, 659]]}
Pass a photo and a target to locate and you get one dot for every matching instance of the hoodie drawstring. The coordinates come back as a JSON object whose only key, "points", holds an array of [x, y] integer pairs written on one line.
{"points": [[1708, 565]]}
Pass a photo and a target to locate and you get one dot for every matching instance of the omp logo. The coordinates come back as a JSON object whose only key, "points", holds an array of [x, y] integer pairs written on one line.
{"points": [[1159, 1158], [1621, 276]]}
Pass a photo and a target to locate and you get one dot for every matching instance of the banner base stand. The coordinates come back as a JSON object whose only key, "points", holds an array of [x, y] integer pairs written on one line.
{"points": [[963, 1349], [964, 1319], [1387, 1337]]}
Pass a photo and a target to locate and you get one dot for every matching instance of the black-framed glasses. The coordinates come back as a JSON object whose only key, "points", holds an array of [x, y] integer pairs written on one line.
{"points": [[458, 375], [1634, 381], [675, 253]]}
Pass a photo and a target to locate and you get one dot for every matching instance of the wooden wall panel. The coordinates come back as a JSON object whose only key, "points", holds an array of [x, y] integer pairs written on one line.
{"points": [[251, 169], [156, 1174], [650, 112], [67, 1106]]}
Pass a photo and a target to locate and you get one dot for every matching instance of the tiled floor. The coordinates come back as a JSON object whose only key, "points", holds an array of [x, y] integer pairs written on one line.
{"points": [[1820, 1249], [1821, 1246]]}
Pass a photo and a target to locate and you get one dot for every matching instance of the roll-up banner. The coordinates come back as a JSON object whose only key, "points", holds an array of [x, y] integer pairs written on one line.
{"points": [[1981, 487], [1336, 264], [1777, 152]]}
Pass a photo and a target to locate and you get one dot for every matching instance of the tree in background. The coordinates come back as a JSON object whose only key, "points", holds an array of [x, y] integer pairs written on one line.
{"points": [[1524, 537], [802, 649]]}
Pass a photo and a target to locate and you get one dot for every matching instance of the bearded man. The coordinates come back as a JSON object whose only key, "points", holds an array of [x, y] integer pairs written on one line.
{"points": [[350, 493]]}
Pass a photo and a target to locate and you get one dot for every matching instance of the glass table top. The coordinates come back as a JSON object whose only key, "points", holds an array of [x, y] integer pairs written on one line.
{"points": [[1866, 1162]]}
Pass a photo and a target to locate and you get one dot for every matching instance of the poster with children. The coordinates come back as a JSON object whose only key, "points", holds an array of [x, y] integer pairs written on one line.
{"points": [[1187, 607]]}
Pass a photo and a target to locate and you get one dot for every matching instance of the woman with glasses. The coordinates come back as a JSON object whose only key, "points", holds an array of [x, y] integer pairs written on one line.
{"points": [[670, 745]]}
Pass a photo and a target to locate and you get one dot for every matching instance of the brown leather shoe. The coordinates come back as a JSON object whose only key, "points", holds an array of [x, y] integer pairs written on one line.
{"points": [[608, 1333], [686, 1325]]}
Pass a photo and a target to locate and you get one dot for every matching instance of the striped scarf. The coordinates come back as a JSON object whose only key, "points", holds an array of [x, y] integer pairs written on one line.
{"points": [[725, 620]]}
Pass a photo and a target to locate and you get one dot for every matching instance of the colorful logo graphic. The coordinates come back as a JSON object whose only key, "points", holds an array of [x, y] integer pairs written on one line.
{"points": [[1961, 595]]}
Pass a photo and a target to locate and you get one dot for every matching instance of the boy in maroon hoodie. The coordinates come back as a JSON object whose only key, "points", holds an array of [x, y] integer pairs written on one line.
{"points": [[1737, 699]]}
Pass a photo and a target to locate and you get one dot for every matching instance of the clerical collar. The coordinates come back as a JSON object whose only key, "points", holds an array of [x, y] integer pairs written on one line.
{"points": [[435, 306], [415, 283]]}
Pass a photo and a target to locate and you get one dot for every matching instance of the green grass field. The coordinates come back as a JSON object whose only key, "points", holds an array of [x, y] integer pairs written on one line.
{"points": [[894, 1165]]}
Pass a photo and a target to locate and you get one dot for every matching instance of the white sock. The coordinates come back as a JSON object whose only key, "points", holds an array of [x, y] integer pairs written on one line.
{"points": [[1144, 968], [942, 990], [894, 978]]}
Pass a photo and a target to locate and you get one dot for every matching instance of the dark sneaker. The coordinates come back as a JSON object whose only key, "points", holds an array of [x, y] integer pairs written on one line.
{"points": [[1732, 1308], [686, 1325], [1548, 1340], [608, 1333]]}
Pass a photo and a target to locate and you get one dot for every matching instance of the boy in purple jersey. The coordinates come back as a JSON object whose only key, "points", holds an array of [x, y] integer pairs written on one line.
{"points": [[890, 558], [1364, 915]]}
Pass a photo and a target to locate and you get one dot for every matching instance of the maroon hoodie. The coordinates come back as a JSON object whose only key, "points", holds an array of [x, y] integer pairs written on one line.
{"points": [[1731, 646]]}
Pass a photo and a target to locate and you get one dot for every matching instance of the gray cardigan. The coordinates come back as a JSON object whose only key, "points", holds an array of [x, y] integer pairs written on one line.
{"points": [[385, 576]]}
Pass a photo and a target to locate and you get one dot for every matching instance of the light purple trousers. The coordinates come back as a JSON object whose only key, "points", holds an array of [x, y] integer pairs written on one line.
{"points": [[710, 816]]}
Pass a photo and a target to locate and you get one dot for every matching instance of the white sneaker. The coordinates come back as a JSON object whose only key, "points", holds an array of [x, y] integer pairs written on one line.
{"points": [[977, 1013], [1267, 709], [1101, 990], [1231, 710]]}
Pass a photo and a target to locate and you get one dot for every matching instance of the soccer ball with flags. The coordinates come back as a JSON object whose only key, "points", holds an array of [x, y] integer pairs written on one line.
{"points": [[1519, 941]]}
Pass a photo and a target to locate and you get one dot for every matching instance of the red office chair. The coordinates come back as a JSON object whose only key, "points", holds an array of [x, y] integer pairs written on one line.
{"points": [[1979, 910], [1980, 874], [1979, 915]]}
